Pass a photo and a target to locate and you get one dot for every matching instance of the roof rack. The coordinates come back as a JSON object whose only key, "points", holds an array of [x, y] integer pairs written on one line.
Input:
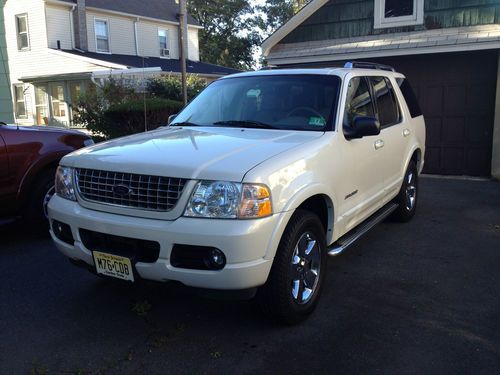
{"points": [[268, 67], [368, 65]]}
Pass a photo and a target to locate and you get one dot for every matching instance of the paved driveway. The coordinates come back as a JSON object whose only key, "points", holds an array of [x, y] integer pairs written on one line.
{"points": [[417, 298]]}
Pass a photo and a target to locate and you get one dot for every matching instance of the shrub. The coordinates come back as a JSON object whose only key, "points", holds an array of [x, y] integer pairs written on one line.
{"points": [[169, 87], [116, 109], [128, 117], [89, 109]]}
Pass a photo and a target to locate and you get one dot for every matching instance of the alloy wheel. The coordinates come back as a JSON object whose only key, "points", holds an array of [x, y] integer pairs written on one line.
{"points": [[305, 268], [46, 200], [411, 191]]}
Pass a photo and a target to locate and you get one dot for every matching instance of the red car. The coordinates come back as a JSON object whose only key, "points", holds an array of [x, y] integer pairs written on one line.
{"points": [[29, 157]]}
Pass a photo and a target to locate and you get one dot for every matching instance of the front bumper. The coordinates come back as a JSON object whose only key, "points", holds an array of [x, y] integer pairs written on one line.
{"points": [[246, 244]]}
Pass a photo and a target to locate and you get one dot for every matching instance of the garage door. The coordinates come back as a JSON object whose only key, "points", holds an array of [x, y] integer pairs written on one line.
{"points": [[457, 95]]}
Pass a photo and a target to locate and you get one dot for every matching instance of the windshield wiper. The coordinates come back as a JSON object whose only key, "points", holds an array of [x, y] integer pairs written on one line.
{"points": [[245, 124], [185, 123]]}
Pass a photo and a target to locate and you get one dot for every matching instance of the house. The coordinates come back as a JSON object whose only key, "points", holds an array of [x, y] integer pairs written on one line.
{"points": [[449, 51], [59, 48], [5, 97]]}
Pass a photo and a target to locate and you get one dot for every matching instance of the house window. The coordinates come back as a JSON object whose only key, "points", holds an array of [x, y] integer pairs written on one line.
{"points": [[20, 102], [163, 40], [101, 35], [23, 38], [41, 105], [396, 13]]}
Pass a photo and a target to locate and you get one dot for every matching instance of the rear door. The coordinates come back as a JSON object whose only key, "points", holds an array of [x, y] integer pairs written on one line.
{"points": [[394, 134], [360, 185]]}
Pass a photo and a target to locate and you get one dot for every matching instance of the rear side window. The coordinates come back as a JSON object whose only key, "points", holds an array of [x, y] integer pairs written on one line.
{"points": [[387, 106], [358, 101], [410, 98]]}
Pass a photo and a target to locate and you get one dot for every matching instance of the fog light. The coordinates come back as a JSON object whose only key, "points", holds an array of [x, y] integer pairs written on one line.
{"points": [[217, 259], [63, 232], [197, 257]]}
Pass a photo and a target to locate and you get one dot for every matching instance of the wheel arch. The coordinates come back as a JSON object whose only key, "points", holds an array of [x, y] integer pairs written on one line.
{"points": [[315, 199], [34, 173]]}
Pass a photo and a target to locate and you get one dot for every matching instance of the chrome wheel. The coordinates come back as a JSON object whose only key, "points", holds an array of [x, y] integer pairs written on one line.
{"points": [[305, 268], [46, 200], [411, 191]]}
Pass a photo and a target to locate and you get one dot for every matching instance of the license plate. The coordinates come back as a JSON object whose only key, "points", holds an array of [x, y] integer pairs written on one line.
{"points": [[113, 266]]}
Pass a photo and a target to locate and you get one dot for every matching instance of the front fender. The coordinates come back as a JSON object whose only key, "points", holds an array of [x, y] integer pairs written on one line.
{"points": [[44, 162], [298, 197]]}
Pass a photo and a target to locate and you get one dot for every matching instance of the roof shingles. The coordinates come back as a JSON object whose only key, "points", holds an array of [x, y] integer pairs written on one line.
{"points": [[166, 65], [160, 9], [337, 48]]}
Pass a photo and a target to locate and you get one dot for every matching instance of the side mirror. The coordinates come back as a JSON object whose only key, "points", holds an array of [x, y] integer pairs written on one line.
{"points": [[171, 118], [363, 126]]}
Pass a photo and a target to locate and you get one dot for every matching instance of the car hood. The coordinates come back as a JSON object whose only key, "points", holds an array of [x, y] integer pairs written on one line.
{"points": [[194, 153], [47, 129]]}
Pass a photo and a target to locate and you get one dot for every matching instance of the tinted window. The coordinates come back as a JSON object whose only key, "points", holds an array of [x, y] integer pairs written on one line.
{"points": [[398, 8], [298, 102], [358, 101], [410, 98], [387, 107]]}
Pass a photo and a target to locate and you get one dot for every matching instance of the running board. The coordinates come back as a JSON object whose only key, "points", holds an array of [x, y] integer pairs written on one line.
{"points": [[348, 239]]}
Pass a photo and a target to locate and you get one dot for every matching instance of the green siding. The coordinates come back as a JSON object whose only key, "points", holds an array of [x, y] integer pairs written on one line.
{"points": [[353, 18], [6, 108]]}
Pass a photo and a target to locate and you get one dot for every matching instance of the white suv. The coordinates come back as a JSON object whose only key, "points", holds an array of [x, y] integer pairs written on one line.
{"points": [[250, 187]]}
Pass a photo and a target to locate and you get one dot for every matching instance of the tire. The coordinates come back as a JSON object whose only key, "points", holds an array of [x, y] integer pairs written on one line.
{"points": [[43, 189], [408, 195], [285, 296]]}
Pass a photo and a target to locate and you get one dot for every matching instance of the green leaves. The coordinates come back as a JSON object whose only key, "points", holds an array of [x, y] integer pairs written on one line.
{"points": [[233, 29], [228, 36]]}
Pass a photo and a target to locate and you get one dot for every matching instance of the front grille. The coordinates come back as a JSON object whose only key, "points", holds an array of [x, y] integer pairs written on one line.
{"points": [[143, 251], [154, 193]]}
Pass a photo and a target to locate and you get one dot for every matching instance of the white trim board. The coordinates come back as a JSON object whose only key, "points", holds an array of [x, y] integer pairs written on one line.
{"points": [[382, 22], [306, 12]]}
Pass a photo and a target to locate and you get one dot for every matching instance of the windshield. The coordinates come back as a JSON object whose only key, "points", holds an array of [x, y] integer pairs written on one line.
{"points": [[292, 102]]}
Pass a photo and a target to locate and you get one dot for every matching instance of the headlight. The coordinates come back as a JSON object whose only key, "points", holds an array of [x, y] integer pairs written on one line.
{"points": [[229, 200], [64, 183]]}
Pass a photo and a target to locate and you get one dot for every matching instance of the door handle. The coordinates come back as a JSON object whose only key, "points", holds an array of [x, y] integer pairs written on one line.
{"points": [[379, 144], [406, 132]]}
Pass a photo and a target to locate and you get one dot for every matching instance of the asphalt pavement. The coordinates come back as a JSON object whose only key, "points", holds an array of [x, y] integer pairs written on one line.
{"points": [[415, 298]]}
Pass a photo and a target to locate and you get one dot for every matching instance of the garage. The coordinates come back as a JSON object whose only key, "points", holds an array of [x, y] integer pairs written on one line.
{"points": [[457, 95], [448, 50]]}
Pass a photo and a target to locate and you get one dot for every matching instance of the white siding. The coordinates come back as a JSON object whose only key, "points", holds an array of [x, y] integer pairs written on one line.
{"points": [[122, 36], [149, 44], [59, 27], [121, 33], [193, 45], [39, 60]]}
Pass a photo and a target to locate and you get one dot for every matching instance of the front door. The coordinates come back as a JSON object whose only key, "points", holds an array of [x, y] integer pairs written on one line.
{"points": [[59, 105], [360, 186]]}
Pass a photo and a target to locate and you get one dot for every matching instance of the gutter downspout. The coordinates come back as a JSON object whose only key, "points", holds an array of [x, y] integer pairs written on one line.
{"points": [[72, 26], [136, 36]]}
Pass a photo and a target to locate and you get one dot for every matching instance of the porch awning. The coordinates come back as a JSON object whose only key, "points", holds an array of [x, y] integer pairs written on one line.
{"points": [[56, 77]]}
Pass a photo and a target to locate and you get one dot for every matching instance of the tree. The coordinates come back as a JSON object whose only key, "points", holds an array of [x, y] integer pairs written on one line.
{"points": [[228, 36], [278, 12]]}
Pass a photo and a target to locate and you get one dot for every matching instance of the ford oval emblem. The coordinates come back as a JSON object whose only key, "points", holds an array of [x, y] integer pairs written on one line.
{"points": [[122, 190]]}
